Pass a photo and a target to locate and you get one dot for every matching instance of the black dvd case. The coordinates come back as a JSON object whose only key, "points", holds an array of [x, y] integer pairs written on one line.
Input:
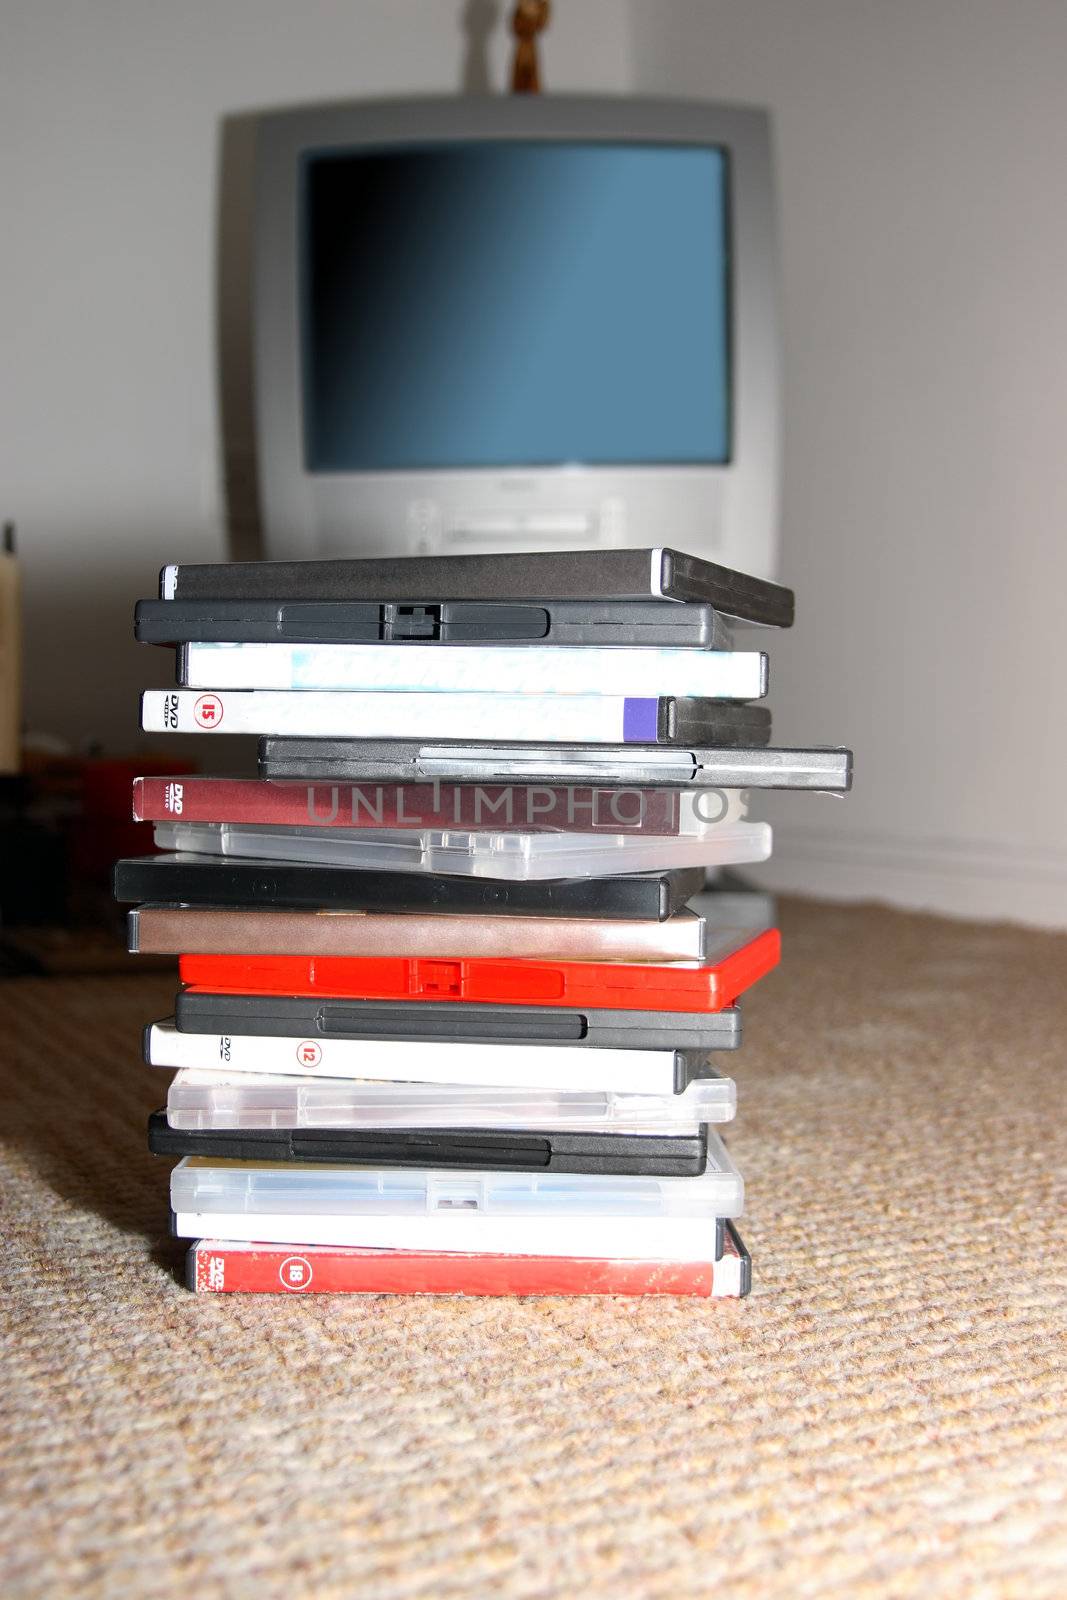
{"points": [[691, 1035], [181, 878], [590, 575], [639, 1155], [540, 622]]}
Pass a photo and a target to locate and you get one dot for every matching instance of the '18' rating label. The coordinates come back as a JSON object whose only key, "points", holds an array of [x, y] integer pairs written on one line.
{"points": [[295, 1273]]}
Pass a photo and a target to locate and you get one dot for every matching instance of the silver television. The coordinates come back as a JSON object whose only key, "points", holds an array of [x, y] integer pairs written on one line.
{"points": [[500, 324]]}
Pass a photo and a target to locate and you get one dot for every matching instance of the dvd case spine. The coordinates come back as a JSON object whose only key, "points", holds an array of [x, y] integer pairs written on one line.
{"points": [[658, 573], [497, 808], [365, 1022], [506, 857], [220, 1099], [338, 713], [218, 1266], [415, 1206], [622, 985], [674, 1238], [441, 1061], [644, 623], [184, 930], [478, 669], [207, 880]]}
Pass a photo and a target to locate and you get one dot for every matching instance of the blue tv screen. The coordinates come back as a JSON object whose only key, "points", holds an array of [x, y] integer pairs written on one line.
{"points": [[500, 304]]}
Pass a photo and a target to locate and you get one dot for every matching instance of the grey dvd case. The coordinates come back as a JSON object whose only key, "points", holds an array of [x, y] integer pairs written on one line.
{"points": [[690, 1034], [540, 622], [724, 766], [589, 575]]}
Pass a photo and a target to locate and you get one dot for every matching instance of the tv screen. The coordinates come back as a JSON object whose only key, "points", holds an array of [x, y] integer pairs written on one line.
{"points": [[510, 304]]}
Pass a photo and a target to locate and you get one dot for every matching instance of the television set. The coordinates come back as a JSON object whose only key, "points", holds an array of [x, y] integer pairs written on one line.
{"points": [[528, 323]]}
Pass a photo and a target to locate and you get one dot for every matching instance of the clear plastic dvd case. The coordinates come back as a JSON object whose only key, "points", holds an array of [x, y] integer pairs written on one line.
{"points": [[258, 1188], [519, 1212], [217, 1100], [509, 856]]}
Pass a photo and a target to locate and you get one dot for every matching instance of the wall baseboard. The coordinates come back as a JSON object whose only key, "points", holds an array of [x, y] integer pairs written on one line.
{"points": [[987, 880]]}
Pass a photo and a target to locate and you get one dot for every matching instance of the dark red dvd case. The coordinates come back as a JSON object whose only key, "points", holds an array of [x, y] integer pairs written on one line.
{"points": [[496, 808]]}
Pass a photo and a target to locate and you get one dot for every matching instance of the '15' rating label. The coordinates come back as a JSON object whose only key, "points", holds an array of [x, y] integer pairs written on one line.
{"points": [[207, 712]]}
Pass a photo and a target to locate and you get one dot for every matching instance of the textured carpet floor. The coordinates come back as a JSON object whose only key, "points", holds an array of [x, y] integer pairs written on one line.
{"points": [[884, 1417]]}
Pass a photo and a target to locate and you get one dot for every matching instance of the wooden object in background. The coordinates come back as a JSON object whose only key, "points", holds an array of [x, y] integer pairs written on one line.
{"points": [[529, 18], [10, 655]]}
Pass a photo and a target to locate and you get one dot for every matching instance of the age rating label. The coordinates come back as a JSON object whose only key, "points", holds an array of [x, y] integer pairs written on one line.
{"points": [[294, 1274], [309, 1054], [207, 712]]}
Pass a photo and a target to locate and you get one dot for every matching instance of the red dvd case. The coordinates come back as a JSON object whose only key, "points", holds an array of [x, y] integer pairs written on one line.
{"points": [[217, 1266], [497, 808], [736, 961]]}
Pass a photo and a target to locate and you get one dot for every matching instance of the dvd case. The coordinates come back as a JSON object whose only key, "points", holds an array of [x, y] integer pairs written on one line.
{"points": [[508, 857], [663, 1067], [658, 573], [497, 808], [449, 622], [307, 1017], [735, 962], [236, 1100], [521, 1213], [230, 881], [634, 1152], [339, 713], [477, 670], [740, 761], [181, 930], [227, 1266]]}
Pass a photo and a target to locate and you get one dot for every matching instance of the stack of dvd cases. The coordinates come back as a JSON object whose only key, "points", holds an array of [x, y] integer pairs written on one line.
{"points": [[446, 1021]]}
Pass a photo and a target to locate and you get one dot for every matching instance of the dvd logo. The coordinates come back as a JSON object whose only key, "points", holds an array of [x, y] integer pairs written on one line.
{"points": [[309, 1054], [224, 1047], [173, 798], [170, 712], [294, 1274]]}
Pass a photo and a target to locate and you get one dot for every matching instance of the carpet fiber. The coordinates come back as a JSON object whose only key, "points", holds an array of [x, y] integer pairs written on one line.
{"points": [[885, 1416]]}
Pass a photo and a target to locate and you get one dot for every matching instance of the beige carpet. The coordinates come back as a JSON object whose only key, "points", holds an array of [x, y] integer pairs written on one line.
{"points": [[885, 1416]]}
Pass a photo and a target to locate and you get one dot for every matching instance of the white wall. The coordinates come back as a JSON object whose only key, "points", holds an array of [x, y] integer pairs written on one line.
{"points": [[110, 139], [922, 153], [922, 149]]}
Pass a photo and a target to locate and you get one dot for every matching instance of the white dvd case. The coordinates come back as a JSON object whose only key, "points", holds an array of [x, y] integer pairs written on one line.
{"points": [[225, 1100], [340, 713], [543, 1067], [412, 1208], [510, 857], [476, 669]]}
